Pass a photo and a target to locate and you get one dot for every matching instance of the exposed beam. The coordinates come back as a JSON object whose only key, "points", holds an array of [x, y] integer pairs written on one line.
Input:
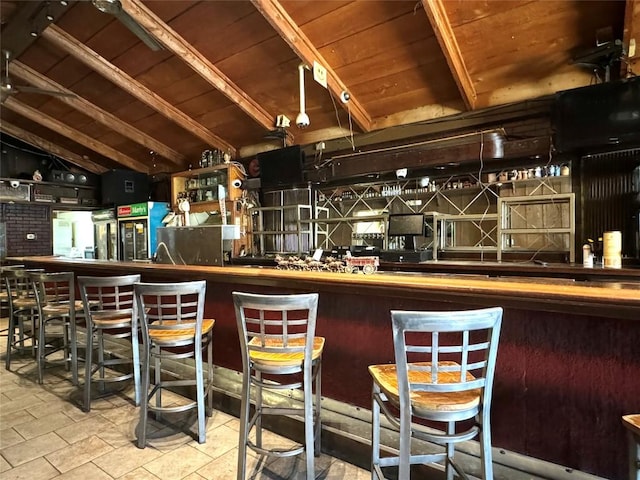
{"points": [[631, 37], [280, 20], [81, 52], [437, 14], [105, 118], [29, 16], [173, 42], [50, 147], [73, 134]]}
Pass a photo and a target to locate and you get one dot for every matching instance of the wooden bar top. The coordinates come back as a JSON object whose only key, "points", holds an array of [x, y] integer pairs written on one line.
{"points": [[611, 299]]}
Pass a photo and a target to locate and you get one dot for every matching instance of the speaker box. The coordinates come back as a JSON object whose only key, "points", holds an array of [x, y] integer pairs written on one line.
{"points": [[67, 177], [123, 187]]}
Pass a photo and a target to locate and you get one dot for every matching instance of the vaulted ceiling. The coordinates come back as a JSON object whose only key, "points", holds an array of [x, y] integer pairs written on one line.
{"points": [[220, 72]]}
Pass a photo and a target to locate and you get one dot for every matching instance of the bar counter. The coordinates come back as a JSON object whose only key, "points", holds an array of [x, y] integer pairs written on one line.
{"points": [[568, 362]]}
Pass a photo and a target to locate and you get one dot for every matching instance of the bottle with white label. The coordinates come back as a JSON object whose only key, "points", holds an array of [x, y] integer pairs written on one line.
{"points": [[587, 256]]}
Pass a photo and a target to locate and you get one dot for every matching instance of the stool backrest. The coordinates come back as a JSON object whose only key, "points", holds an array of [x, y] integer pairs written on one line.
{"points": [[52, 288], [276, 324], [107, 293], [167, 308], [456, 350], [18, 282]]}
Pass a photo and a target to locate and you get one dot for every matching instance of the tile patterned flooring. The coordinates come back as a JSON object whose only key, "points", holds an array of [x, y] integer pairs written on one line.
{"points": [[44, 434]]}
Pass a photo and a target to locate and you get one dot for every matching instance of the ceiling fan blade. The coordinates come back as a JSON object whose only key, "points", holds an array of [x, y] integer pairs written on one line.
{"points": [[43, 91], [139, 31]]}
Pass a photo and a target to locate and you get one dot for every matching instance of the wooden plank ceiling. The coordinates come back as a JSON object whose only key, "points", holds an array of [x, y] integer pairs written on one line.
{"points": [[226, 69]]}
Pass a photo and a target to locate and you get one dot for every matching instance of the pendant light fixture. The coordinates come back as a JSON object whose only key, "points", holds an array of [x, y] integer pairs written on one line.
{"points": [[302, 120]]}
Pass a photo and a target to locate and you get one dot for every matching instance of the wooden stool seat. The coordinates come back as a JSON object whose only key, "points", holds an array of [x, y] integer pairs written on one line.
{"points": [[281, 359], [24, 303], [172, 337], [54, 309], [422, 402]]}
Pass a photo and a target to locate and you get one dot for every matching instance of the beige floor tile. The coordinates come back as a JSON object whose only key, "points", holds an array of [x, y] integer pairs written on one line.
{"points": [[139, 474], [178, 463], [79, 430], [88, 471], [226, 466], [20, 404], [31, 449], [4, 465], [194, 476], [340, 470], [119, 435], [219, 441], [294, 468], [38, 469], [43, 425], [78, 454], [120, 415], [126, 459], [12, 419], [10, 436], [47, 407], [218, 418]]}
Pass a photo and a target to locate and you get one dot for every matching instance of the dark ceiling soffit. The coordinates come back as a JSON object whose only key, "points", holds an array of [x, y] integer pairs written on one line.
{"points": [[430, 155]]}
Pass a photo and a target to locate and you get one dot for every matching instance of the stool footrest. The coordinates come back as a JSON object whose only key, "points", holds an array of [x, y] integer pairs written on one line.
{"points": [[279, 453]]}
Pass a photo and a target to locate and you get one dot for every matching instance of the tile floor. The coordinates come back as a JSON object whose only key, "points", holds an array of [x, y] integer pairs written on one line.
{"points": [[44, 434]]}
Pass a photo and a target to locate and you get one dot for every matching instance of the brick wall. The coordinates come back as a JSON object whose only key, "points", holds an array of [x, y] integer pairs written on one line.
{"points": [[23, 219]]}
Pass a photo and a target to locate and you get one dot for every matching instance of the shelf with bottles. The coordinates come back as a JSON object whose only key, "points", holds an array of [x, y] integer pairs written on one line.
{"points": [[207, 185]]}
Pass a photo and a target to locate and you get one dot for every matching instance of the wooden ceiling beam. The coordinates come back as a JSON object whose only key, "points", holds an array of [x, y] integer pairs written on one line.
{"points": [[29, 17], [73, 134], [105, 118], [93, 60], [437, 14], [50, 147], [291, 33], [182, 49], [631, 38]]}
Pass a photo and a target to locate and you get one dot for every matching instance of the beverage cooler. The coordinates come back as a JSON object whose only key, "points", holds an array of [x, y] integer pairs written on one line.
{"points": [[105, 234], [137, 225]]}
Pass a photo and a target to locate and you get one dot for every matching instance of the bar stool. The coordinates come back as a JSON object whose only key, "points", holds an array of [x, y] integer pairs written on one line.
{"points": [[277, 338], [4, 296], [632, 424], [57, 305], [108, 303], [173, 327], [22, 306], [445, 363]]}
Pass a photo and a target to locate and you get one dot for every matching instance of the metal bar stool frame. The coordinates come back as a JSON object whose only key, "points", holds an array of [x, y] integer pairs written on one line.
{"points": [[22, 304], [454, 384], [4, 296], [56, 303], [632, 424], [277, 338], [173, 327], [109, 304]]}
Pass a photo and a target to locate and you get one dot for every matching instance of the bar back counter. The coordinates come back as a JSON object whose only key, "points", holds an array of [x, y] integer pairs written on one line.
{"points": [[568, 362]]}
